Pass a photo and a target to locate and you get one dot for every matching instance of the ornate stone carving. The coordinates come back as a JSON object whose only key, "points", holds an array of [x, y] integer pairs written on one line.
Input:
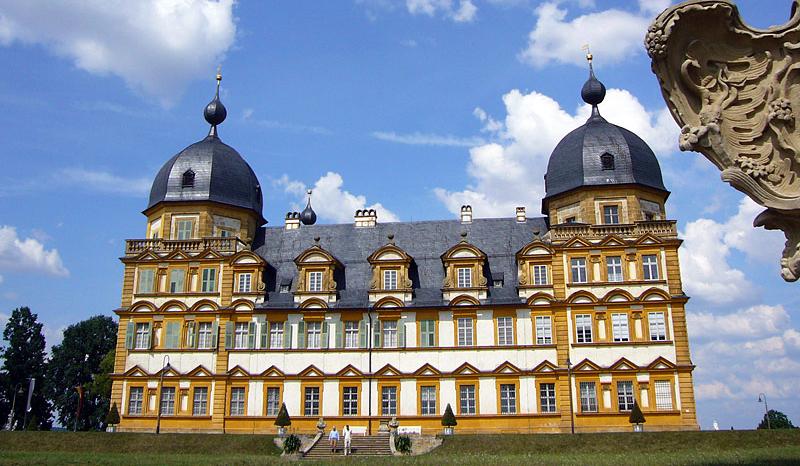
{"points": [[735, 92]]}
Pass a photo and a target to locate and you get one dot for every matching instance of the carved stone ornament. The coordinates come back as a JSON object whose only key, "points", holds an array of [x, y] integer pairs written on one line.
{"points": [[735, 92]]}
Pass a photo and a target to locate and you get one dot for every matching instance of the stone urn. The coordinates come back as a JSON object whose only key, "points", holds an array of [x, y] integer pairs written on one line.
{"points": [[393, 425], [321, 426]]}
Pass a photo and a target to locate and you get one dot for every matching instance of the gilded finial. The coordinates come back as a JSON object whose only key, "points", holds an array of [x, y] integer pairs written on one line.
{"points": [[219, 74], [589, 56]]}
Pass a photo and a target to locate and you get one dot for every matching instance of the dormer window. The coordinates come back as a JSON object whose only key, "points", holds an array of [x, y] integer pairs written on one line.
{"points": [[187, 180], [464, 277], [315, 281], [316, 286], [390, 279], [390, 274], [607, 161]]}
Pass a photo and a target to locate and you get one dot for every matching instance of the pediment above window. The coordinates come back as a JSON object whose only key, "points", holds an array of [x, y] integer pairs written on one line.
{"points": [[390, 274], [464, 272]]}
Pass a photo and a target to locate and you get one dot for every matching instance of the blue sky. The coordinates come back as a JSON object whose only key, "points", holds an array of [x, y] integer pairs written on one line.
{"points": [[411, 107]]}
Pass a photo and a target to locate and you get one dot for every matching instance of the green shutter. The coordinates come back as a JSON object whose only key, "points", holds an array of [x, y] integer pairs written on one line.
{"points": [[401, 333], [362, 333], [130, 335], [173, 335], [339, 334], [251, 335], [287, 335], [229, 335], [376, 334], [325, 342], [189, 334], [265, 334], [301, 334], [214, 335]]}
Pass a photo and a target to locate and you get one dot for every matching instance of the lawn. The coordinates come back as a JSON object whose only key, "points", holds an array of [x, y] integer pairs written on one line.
{"points": [[724, 447]]}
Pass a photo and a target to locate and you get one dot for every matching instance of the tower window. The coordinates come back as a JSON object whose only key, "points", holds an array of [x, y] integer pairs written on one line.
{"points": [[187, 180], [607, 161]]}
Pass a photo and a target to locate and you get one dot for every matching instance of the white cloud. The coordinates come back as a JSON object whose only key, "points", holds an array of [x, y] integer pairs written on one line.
{"points": [[510, 171], [331, 202], [654, 7], [28, 254], [156, 46], [752, 322], [613, 36], [247, 115], [423, 139], [462, 12], [102, 181]]}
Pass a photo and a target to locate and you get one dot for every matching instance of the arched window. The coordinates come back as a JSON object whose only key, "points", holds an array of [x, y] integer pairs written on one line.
{"points": [[187, 181], [607, 161]]}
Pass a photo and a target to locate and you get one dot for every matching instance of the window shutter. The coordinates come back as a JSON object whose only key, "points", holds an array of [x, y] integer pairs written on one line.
{"points": [[171, 341], [265, 334], [228, 335], [287, 335], [339, 334], [130, 335], [251, 335], [301, 334], [376, 334], [190, 335], [362, 333], [214, 335], [401, 333], [150, 338], [325, 342]]}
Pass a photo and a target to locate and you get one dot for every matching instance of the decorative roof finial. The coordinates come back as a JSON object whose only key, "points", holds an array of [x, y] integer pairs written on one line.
{"points": [[308, 216], [593, 91], [215, 112]]}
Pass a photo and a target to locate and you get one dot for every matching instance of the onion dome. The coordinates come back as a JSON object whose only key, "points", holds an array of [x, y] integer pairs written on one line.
{"points": [[209, 170], [308, 216], [599, 153]]}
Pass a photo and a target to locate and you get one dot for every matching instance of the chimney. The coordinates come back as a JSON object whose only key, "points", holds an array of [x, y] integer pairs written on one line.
{"points": [[366, 218], [521, 218], [466, 214], [292, 220]]}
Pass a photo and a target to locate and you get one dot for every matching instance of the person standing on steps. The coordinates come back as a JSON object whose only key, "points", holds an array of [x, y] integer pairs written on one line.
{"points": [[333, 437], [347, 436]]}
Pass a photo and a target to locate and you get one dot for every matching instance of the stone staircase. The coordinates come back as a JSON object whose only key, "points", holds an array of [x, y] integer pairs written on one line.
{"points": [[375, 445]]}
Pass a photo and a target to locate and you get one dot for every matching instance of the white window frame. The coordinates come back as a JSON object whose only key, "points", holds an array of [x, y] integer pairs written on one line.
{"points": [[241, 334], [245, 282], [508, 398], [578, 270], [351, 334], [467, 400], [315, 281], [614, 269], [209, 280], [167, 401], [273, 402], [390, 279], [142, 336], [466, 331], [389, 330], [181, 232], [588, 396], [135, 400], [464, 275], [313, 335], [663, 391], [547, 397], [658, 326], [311, 401], [583, 328], [276, 334], [204, 337], [237, 407], [611, 214], [625, 396], [540, 275], [350, 401], [200, 401], [427, 400], [424, 332], [544, 330], [389, 400], [620, 328], [505, 331], [650, 267]]}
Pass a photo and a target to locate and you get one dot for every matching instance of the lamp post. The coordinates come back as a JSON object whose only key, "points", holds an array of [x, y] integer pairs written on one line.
{"points": [[160, 388], [571, 408], [763, 397]]}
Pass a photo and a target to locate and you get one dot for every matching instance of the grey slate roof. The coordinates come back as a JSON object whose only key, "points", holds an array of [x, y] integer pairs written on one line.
{"points": [[575, 161], [221, 175], [500, 239]]}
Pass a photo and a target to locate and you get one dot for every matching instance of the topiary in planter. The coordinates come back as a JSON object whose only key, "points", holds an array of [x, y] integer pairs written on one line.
{"points": [[291, 444], [637, 417], [449, 420], [283, 419], [402, 443], [112, 418]]}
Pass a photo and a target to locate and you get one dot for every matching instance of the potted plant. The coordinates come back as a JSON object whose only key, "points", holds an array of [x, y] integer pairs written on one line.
{"points": [[448, 420], [283, 420], [112, 418], [637, 418]]}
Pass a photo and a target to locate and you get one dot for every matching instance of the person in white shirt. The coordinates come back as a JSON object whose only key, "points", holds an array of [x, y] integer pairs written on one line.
{"points": [[347, 435], [333, 437]]}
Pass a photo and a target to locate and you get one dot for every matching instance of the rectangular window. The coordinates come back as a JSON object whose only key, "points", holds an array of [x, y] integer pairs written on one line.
{"points": [[351, 334], [185, 229], [314, 335], [176, 281], [167, 401], [204, 335], [663, 395], [390, 279], [350, 401], [245, 280], [588, 397], [544, 330], [508, 398], [614, 268], [466, 394], [135, 400], [540, 275], [240, 335], [658, 327], [311, 402], [583, 328], [273, 401], [465, 331], [146, 280], [389, 333], [547, 397], [505, 331], [276, 334], [209, 282], [625, 395], [578, 267], [619, 327], [427, 333], [237, 401], [428, 400], [650, 266], [464, 277], [142, 336], [200, 401], [610, 214], [389, 401], [314, 281]]}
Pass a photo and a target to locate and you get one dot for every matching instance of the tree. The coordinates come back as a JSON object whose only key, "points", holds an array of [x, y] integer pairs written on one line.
{"points": [[85, 354], [448, 418], [637, 416], [23, 359], [283, 419], [777, 420], [112, 418]]}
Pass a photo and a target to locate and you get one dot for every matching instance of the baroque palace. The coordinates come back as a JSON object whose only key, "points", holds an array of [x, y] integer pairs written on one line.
{"points": [[521, 324]]}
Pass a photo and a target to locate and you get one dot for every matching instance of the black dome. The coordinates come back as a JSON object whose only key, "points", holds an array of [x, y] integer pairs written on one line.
{"points": [[218, 174]]}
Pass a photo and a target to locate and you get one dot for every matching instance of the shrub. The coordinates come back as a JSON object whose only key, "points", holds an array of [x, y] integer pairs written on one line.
{"points": [[283, 419], [291, 444], [112, 418], [402, 443], [448, 418], [636, 417]]}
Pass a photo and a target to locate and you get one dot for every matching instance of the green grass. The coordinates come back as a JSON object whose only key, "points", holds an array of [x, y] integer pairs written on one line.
{"points": [[662, 448]]}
